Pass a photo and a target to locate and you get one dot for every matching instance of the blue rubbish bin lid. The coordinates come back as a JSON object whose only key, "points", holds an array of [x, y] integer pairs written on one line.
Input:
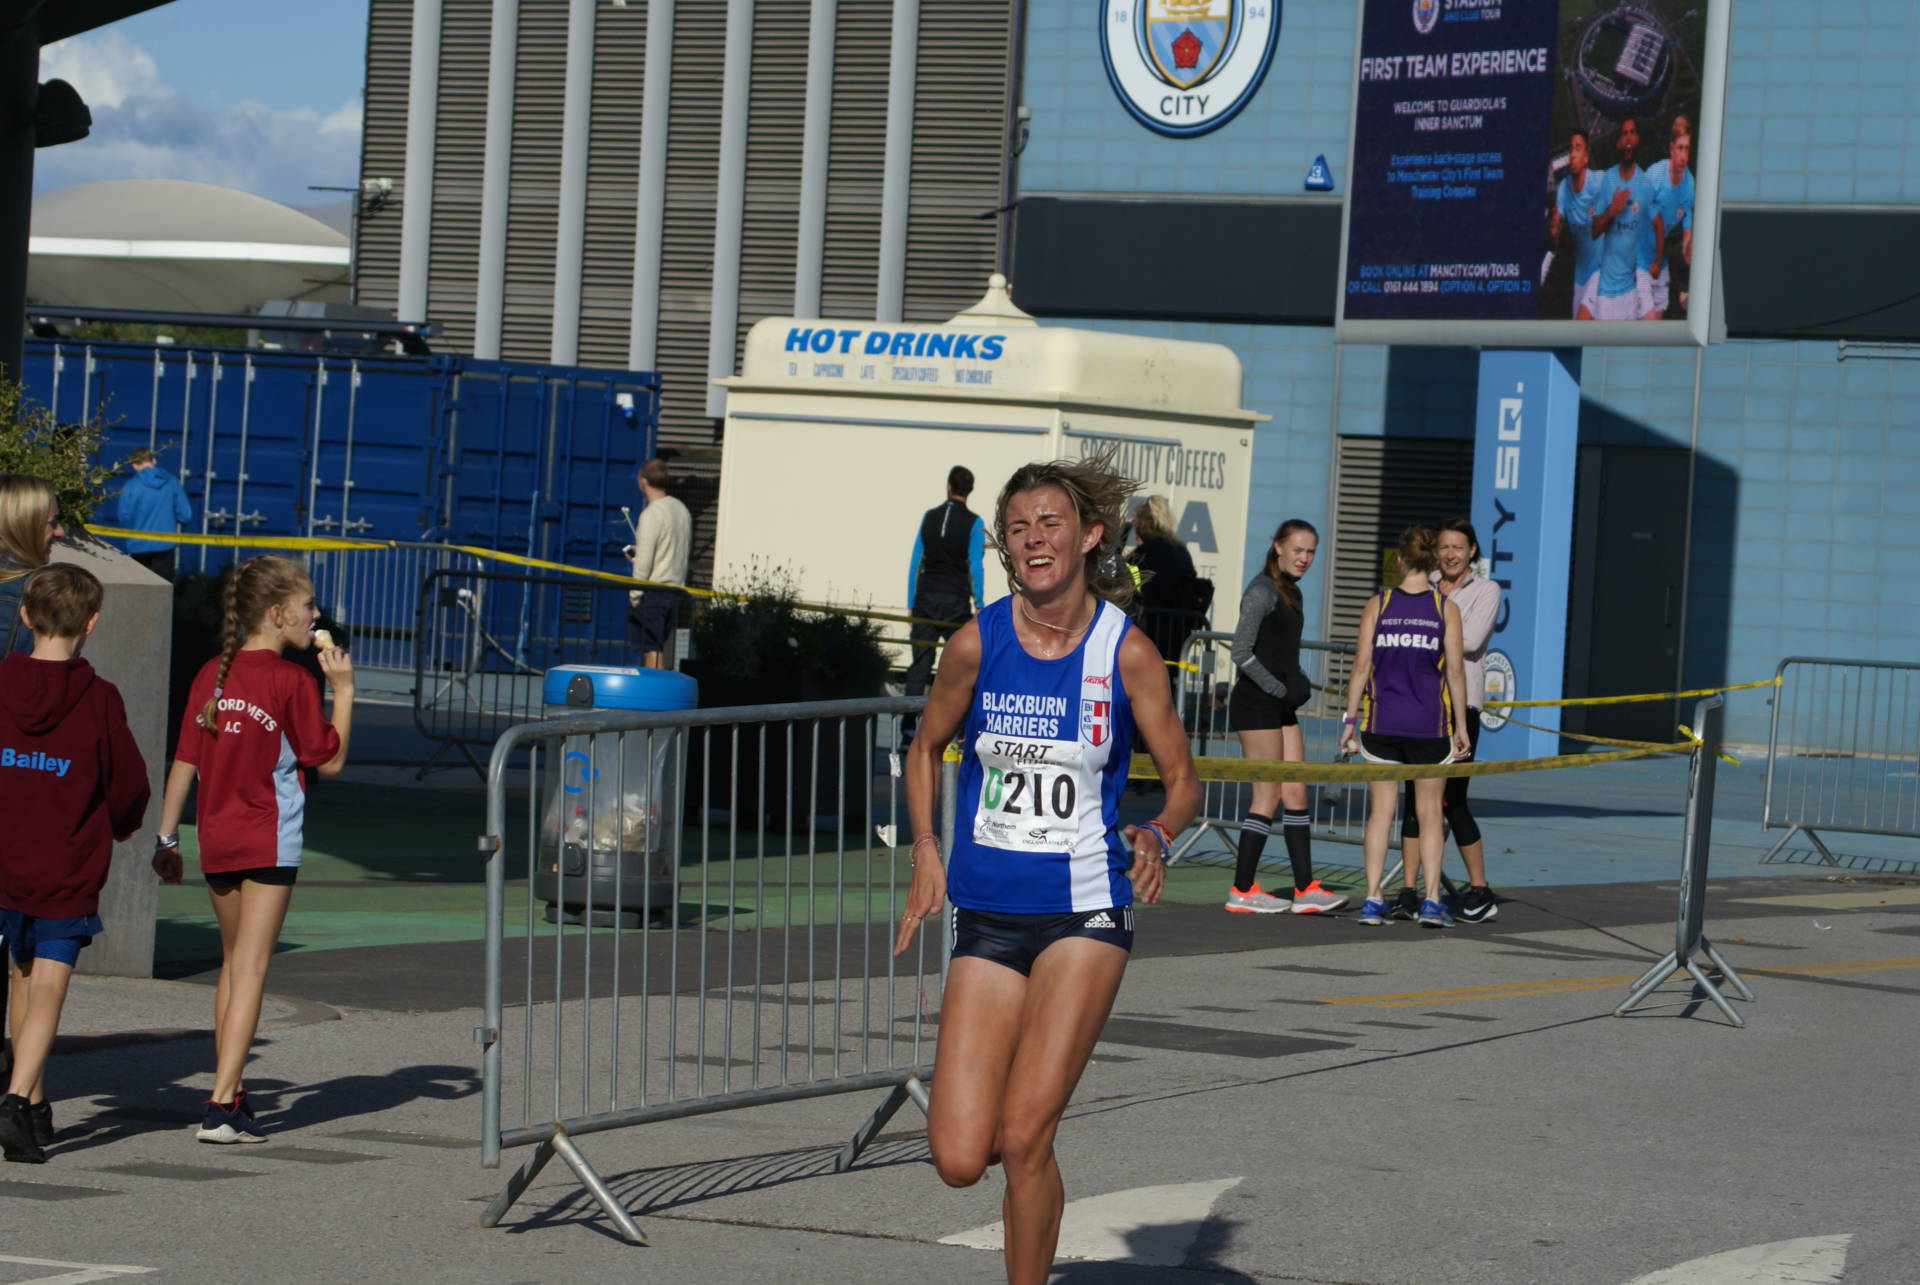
{"points": [[608, 687]]}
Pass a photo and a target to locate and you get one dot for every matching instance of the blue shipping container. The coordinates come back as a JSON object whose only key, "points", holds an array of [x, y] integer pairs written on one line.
{"points": [[533, 460]]}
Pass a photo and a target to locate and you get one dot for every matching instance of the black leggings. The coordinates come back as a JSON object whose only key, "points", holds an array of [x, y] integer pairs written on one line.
{"points": [[1453, 804]]}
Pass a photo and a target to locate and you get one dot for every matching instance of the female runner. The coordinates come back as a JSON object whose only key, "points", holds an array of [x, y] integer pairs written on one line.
{"points": [[1262, 709], [1479, 602], [1048, 687], [1403, 700]]}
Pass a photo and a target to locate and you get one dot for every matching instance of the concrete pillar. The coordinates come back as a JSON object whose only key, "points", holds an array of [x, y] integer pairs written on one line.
{"points": [[416, 195], [131, 648], [730, 200], [570, 234], [816, 138], [896, 165], [491, 289], [650, 198]]}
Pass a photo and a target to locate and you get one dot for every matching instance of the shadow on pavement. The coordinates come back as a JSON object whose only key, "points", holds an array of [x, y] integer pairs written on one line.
{"points": [[94, 1104], [655, 1191]]}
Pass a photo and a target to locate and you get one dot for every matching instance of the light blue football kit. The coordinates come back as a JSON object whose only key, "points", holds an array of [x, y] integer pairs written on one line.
{"points": [[1577, 209], [1627, 244]]}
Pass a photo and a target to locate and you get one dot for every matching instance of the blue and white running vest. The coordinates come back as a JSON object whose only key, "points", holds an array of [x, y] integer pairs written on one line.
{"points": [[1041, 769]]}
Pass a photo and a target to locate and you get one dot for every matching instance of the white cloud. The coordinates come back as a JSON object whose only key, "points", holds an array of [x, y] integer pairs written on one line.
{"points": [[145, 128], [107, 69]]}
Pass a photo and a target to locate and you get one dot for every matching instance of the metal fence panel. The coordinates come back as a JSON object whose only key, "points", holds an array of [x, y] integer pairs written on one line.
{"points": [[694, 911], [484, 638], [1843, 752], [1202, 684]]}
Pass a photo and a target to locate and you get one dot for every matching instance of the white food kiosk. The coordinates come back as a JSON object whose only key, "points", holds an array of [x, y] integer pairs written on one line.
{"points": [[839, 436]]}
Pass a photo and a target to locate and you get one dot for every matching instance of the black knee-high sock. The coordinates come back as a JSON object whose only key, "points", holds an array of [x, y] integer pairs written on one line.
{"points": [[1253, 841], [1297, 830]]}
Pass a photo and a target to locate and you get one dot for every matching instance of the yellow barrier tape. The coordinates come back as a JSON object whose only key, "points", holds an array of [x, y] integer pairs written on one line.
{"points": [[1240, 770], [305, 543], [1628, 700], [1694, 736], [325, 544], [1579, 736]]}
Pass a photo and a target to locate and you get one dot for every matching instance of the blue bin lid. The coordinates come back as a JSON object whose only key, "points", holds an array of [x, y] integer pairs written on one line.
{"points": [[615, 688]]}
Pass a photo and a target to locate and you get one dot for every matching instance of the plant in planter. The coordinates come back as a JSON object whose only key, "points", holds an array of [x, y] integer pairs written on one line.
{"points": [[757, 645], [33, 441]]}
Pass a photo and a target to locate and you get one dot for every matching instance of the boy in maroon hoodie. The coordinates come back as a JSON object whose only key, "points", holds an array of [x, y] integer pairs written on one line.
{"points": [[71, 782]]}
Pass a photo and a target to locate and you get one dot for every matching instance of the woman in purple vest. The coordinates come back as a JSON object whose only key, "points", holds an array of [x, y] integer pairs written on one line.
{"points": [[1405, 705]]}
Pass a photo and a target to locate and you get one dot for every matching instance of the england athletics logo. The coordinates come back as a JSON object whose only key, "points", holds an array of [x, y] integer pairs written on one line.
{"points": [[1184, 67]]}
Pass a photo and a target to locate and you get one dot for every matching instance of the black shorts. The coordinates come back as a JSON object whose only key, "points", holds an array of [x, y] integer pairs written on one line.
{"points": [[650, 622], [1017, 940], [1412, 751], [228, 880], [1251, 710]]}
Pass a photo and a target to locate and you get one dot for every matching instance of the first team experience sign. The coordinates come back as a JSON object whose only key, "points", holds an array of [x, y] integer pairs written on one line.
{"points": [[1523, 168]]}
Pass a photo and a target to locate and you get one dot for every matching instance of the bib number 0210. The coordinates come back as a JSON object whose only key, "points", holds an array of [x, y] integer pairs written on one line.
{"points": [[1024, 792]]}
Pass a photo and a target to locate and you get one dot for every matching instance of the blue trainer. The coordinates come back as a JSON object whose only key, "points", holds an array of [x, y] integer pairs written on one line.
{"points": [[228, 1124], [1434, 915], [1373, 912]]}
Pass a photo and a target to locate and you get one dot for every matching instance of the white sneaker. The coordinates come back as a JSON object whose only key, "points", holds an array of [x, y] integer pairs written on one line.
{"points": [[1255, 902], [1314, 900]]}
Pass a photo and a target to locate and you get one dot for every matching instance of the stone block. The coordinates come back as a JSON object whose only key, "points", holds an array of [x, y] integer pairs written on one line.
{"points": [[131, 648]]}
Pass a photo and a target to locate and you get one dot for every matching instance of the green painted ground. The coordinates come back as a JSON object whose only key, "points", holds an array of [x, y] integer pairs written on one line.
{"points": [[387, 865]]}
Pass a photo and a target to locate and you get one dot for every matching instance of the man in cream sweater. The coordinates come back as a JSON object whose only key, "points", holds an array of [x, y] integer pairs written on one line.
{"points": [[662, 540]]}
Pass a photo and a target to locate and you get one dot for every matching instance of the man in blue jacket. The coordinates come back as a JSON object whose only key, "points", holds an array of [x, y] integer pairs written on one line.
{"points": [[153, 501]]}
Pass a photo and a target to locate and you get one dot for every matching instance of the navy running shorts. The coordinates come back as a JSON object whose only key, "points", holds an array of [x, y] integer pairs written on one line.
{"points": [[31, 937], [1017, 940]]}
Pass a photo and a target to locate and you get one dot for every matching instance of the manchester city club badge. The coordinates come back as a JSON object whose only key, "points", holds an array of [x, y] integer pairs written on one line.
{"points": [[1184, 67]]}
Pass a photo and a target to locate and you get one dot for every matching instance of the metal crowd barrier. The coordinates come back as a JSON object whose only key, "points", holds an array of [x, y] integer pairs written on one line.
{"points": [[1202, 684], [716, 932], [479, 640], [1690, 938], [1843, 752], [375, 593]]}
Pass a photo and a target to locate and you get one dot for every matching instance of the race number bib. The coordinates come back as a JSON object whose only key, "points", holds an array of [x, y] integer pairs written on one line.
{"points": [[1029, 794]]}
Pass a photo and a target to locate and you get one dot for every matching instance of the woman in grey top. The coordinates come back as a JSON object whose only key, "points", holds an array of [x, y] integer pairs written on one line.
{"points": [[1261, 710]]}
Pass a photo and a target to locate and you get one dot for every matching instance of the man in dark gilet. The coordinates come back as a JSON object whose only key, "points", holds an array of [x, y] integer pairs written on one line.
{"points": [[946, 579]]}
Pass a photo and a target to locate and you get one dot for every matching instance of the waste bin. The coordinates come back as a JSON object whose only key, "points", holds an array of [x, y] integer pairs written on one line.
{"points": [[612, 800]]}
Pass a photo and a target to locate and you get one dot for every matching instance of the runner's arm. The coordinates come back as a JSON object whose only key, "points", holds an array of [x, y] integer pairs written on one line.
{"points": [[1457, 683], [1357, 679], [939, 723], [1144, 675]]}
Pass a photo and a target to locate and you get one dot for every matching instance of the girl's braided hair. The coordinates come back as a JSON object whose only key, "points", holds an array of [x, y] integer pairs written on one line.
{"points": [[1099, 492], [252, 589]]}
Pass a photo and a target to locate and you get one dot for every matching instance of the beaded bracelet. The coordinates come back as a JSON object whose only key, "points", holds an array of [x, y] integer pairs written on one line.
{"points": [[913, 853]]}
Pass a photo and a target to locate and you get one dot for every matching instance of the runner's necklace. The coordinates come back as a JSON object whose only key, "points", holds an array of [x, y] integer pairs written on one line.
{"points": [[1058, 629]]}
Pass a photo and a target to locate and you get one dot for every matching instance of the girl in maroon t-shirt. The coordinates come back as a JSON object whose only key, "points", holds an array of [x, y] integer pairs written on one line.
{"points": [[253, 721]]}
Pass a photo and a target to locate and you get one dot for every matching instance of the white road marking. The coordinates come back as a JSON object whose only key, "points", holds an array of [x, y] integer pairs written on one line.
{"points": [[1151, 1226], [1810, 1260], [79, 1273]]}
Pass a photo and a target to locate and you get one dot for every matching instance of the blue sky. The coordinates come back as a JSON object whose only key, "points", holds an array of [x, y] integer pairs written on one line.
{"points": [[262, 95]]}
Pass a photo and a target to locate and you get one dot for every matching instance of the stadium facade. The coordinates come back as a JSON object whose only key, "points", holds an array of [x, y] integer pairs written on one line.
{"points": [[1739, 503]]}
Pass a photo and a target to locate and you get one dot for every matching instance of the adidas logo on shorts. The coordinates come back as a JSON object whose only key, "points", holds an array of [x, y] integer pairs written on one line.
{"points": [[1101, 919]]}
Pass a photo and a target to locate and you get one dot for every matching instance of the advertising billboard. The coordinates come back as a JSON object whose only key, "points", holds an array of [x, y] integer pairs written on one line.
{"points": [[1538, 173]]}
